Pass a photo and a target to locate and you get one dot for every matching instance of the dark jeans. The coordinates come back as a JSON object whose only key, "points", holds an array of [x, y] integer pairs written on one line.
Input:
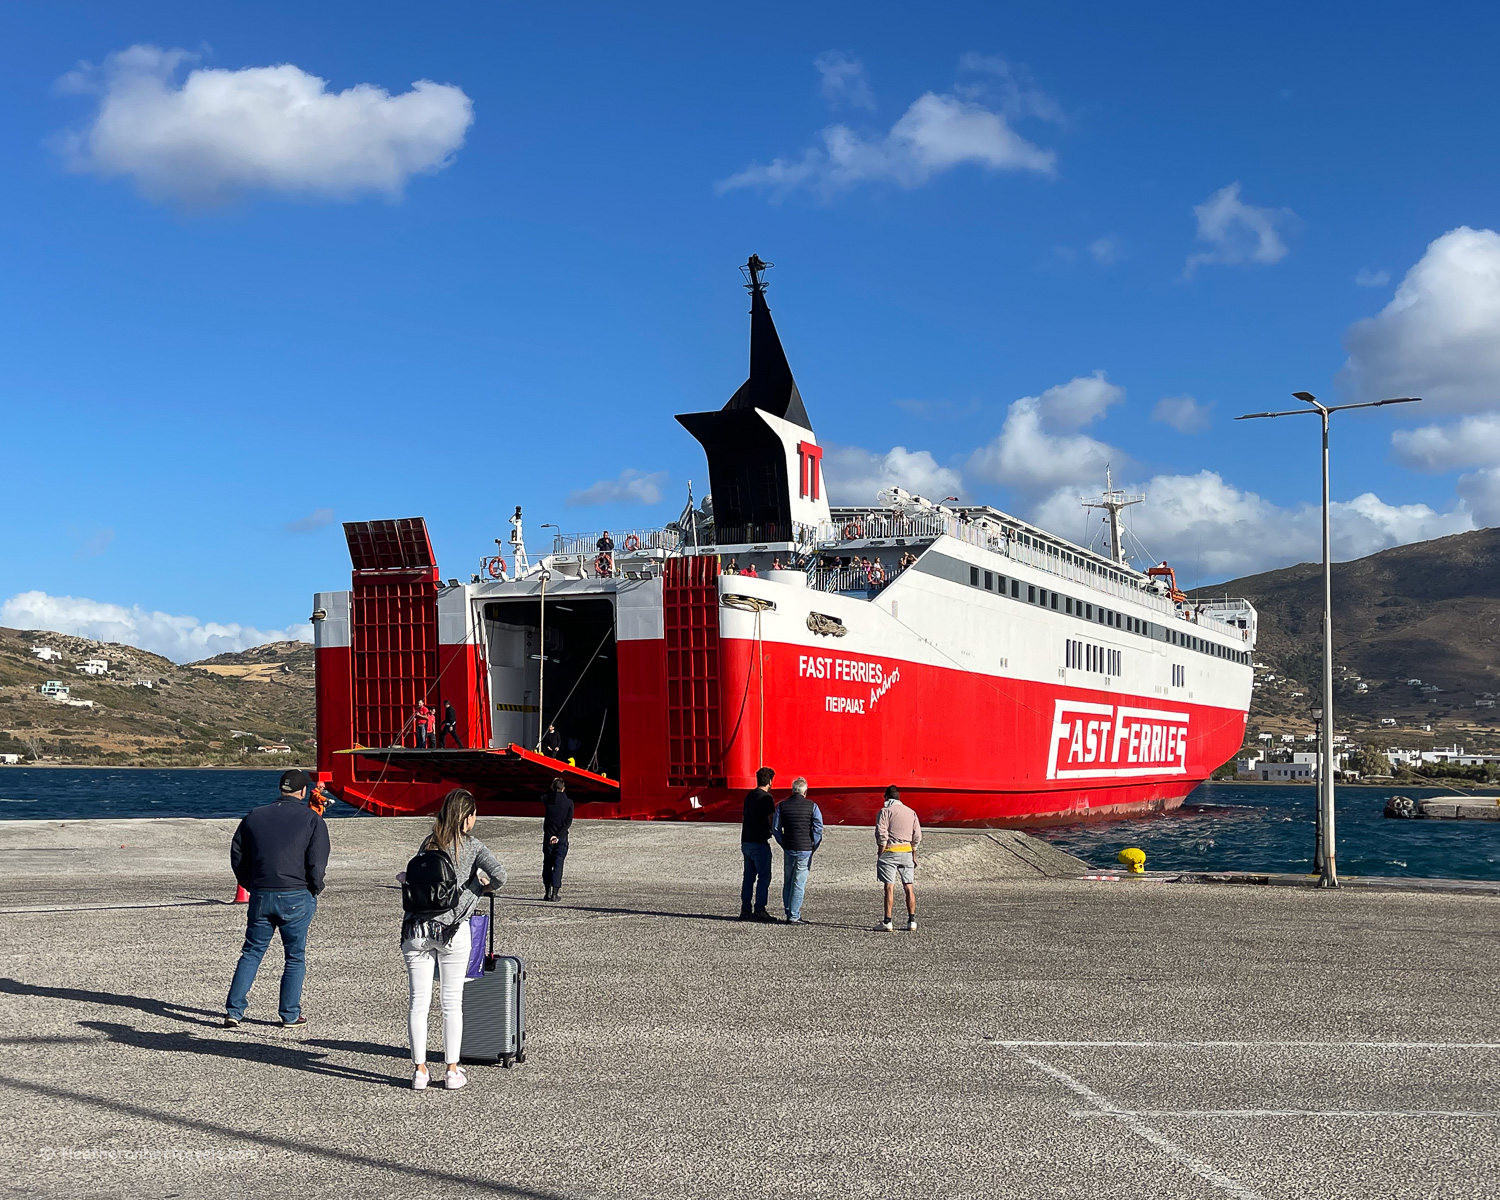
{"points": [[424, 740], [290, 913], [446, 733], [552, 863], [757, 874]]}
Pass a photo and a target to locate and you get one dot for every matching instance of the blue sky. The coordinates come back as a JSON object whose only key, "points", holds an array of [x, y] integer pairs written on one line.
{"points": [[1003, 240]]}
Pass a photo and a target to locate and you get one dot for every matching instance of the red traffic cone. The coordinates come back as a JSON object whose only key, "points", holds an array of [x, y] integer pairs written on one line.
{"points": [[241, 896]]}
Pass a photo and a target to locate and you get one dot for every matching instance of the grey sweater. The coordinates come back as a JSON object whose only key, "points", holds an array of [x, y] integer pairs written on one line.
{"points": [[472, 854]]}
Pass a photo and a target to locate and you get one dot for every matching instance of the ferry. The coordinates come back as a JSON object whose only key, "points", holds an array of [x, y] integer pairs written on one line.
{"points": [[1000, 675]]}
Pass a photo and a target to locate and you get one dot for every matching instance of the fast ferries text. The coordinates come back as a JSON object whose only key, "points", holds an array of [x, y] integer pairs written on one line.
{"points": [[845, 670], [1104, 741]]}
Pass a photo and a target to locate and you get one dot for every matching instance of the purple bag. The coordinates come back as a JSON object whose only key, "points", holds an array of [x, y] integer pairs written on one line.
{"points": [[479, 928]]}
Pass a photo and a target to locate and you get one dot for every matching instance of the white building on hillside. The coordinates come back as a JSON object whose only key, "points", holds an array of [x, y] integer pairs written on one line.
{"points": [[46, 653], [94, 666], [56, 689]]}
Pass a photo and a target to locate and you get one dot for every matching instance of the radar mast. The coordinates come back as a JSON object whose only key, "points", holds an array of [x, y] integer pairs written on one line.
{"points": [[1114, 501]]}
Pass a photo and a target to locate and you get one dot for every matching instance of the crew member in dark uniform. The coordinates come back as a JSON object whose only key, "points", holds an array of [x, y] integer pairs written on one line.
{"points": [[557, 819], [755, 845], [551, 743], [449, 727], [604, 564]]}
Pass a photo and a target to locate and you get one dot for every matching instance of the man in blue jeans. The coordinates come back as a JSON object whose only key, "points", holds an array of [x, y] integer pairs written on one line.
{"points": [[279, 855], [755, 846], [798, 830]]}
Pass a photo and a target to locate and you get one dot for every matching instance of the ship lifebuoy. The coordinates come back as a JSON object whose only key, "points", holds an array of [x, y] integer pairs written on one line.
{"points": [[853, 530], [496, 567], [603, 566], [876, 573], [632, 542]]}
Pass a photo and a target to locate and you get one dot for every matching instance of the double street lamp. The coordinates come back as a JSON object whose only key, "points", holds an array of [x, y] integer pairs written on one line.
{"points": [[1328, 861]]}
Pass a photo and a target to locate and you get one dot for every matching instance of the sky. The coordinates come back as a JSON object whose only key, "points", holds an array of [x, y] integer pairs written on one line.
{"points": [[270, 268]]}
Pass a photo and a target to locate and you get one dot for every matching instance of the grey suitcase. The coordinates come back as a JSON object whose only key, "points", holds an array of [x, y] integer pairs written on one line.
{"points": [[495, 1008]]}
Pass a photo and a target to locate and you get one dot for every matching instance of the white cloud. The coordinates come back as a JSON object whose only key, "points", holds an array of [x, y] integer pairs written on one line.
{"points": [[1106, 250], [936, 134], [278, 128], [856, 476], [1470, 442], [844, 80], [1365, 277], [1481, 492], [1012, 87], [1182, 413], [182, 639], [317, 519], [632, 487], [1210, 530], [1036, 451], [1439, 337], [1237, 232]]}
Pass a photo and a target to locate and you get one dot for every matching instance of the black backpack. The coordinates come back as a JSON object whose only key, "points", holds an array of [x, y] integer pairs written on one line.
{"points": [[431, 885]]}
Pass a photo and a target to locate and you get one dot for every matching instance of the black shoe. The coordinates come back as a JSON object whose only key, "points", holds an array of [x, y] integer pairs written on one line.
{"points": [[745, 915], [765, 918], [547, 894]]}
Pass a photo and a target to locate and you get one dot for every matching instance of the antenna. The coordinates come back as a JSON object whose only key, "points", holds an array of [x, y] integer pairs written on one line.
{"points": [[1113, 501], [752, 271]]}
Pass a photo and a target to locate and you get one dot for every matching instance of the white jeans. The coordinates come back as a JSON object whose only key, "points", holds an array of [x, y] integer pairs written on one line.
{"points": [[451, 961]]}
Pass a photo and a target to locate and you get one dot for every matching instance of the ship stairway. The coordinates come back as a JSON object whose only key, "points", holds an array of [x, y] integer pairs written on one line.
{"points": [[690, 597]]}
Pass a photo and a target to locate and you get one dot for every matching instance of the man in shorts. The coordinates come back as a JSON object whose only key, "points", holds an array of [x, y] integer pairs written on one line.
{"points": [[898, 833]]}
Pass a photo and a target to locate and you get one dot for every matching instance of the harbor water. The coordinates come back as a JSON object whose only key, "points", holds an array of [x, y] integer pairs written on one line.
{"points": [[1221, 827]]}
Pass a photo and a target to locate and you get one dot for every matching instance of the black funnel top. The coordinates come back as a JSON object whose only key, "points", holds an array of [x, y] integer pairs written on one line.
{"points": [[770, 386]]}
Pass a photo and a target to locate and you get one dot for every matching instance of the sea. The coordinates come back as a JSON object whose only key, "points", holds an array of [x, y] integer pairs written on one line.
{"points": [[1221, 827]]}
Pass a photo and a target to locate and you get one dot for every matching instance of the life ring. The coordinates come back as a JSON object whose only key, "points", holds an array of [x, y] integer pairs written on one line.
{"points": [[632, 542], [603, 565], [495, 566], [853, 530], [875, 574]]}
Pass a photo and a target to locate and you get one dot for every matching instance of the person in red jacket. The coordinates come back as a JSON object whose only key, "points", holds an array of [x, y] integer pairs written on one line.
{"points": [[426, 722]]}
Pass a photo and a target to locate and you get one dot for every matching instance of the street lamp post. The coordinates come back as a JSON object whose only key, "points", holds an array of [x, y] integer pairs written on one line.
{"points": [[1328, 866]]}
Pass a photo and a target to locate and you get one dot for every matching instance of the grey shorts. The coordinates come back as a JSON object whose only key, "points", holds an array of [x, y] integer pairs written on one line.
{"points": [[896, 868]]}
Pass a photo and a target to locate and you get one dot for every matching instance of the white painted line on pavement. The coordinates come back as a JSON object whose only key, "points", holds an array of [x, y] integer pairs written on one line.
{"points": [[57, 908], [1139, 1127], [1028, 1045], [1354, 1114]]}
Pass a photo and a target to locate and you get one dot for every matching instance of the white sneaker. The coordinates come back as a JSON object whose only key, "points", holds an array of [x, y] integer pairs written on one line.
{"points": [[419, 1079], [456, 1079], [911, 924], [885, 926]]}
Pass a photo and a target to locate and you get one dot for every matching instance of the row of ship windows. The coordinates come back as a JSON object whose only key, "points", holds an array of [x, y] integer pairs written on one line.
{"points": [[1057, 602], [1085, 656]]}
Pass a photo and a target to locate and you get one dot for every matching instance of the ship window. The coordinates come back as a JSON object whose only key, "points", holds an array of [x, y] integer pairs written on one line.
{"points": [[1088, 610], [1030, 594], [1054, 601], [1015, 589], [989, 581], [974, 576], [1000, 584], [1068, 605]]}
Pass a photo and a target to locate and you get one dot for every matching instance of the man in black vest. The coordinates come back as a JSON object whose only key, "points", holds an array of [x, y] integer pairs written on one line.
{"points": [[279, 855], [557, 819], [755, 846], [798, 830]]}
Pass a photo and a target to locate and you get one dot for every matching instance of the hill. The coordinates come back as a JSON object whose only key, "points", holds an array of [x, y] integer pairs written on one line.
{"points": [[149, 711], [1428, 611]]}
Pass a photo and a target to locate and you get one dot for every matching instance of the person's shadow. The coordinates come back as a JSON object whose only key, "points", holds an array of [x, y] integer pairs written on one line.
{"points": [[146, 1004], [272, 1053]]}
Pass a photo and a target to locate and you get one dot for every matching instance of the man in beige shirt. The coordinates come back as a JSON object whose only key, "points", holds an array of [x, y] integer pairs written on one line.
{"points": [[898, 833]]}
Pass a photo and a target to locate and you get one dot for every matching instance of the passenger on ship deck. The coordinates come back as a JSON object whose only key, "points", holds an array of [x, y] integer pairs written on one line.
{"points": [[426, 721], [449, 727], [750, 571], [898, 833], [733, 568], [776, 563], [755, 847], [798, 830], [552, 743], [557, 819]]}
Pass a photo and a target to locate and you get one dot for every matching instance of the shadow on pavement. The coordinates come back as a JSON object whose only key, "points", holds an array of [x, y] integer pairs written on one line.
{"points": [[276, 1054], [145, 1004], [424, 1173]]}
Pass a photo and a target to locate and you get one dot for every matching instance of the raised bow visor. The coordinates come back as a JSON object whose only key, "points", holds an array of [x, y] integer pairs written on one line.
{"points": [[510, 769]]}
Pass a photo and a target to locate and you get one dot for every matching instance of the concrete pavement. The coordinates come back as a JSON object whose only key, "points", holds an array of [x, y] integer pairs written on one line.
{"points": [[1038, 1036]]}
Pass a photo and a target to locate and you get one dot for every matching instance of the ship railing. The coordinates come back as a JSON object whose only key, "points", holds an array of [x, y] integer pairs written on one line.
{"points": [[986, 535], [587, 544], [847, 579]]}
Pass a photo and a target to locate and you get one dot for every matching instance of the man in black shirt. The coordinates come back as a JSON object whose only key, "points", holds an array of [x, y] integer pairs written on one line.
{"points": [[755, 846], [552, 743], [449, 727], [557, 819], [279, 855]]}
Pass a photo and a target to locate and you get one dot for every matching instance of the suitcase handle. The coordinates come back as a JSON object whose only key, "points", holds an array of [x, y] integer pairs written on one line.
{"points": [[489, 959]]}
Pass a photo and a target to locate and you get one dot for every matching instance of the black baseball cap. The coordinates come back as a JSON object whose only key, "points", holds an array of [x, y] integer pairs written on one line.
{"points": [[293, 782]]}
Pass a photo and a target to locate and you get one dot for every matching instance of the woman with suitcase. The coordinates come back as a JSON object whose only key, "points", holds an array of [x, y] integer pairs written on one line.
{"points": [[451, 870]]}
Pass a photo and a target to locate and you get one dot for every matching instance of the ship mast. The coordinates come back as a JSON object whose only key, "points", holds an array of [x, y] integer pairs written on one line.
{"points": [[1113, 501]]}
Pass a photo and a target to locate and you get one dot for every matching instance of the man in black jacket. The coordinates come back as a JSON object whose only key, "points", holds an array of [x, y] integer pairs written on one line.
{"points": [[279, 855], [798, 830], [557, 819], [755, 846]]}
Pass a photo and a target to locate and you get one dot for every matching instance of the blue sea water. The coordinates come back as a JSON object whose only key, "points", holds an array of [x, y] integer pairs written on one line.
{"points": [[1222, 827], [70, 794], [1269, 827]]}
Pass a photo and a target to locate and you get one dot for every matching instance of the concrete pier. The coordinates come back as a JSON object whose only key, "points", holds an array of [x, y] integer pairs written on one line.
{"points": [[1460, 808], [1040, 1035]]}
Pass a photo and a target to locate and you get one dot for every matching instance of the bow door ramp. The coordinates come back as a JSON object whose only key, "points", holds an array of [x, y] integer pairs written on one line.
{"points": [[509, 773]]}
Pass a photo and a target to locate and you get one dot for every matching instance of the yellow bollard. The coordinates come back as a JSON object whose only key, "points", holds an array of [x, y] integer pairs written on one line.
{"points": [[1133, 858]]}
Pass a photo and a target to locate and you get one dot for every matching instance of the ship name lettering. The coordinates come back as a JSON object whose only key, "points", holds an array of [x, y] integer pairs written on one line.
{"points": [[853, 705], [1093, 739], [846, 670]]}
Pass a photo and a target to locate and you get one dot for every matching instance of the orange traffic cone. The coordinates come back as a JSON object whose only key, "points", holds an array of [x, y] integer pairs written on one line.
{"points": [[241, 896]]}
